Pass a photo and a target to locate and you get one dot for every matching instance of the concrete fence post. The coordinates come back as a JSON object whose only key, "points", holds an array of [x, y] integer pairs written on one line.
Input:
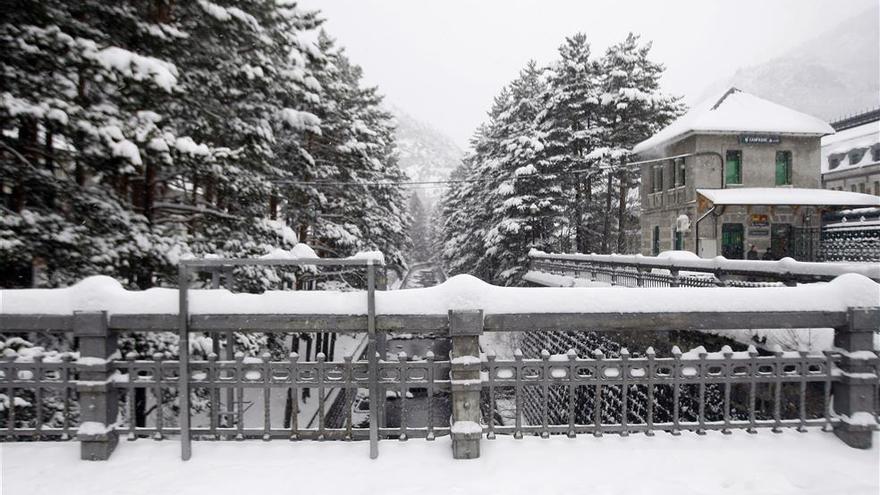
{"points": [[853, 392], [97, 396], [465, 328]]}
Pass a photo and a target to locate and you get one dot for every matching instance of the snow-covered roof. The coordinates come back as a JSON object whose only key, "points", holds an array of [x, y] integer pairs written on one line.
{"points": [[862, 137], [787, 196], [735, 111]]}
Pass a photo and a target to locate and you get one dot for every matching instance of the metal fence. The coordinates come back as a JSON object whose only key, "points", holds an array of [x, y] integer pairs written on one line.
{"points": [[644, 271], [93, 392]]}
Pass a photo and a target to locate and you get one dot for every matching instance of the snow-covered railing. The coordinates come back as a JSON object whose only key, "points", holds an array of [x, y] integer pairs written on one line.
{"points": [[624, 393], [683, 270]]}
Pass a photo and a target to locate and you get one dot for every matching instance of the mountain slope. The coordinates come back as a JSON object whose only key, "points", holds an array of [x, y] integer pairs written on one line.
{"points": [[835, 74], [425, 153]]}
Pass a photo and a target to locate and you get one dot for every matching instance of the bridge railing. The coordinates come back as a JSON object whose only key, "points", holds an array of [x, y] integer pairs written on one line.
{"points": [[93, 391], [646, 271]]}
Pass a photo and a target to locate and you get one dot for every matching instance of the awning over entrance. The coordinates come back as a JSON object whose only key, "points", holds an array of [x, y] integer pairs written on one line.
{"points": [[786, 196]]}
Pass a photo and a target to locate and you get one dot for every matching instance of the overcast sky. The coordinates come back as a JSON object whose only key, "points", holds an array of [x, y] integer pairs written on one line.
{"points": [[442, 61]]}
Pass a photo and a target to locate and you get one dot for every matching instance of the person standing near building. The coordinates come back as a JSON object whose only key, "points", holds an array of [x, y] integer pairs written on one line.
{"points": [[768, 256], [753, 253]]}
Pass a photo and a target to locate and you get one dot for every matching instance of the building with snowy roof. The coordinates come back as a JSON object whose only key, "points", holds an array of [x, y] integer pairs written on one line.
{"points": [[734, 171], [851, 156]]}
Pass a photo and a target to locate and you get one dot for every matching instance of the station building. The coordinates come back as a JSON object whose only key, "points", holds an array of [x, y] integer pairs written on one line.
{"points": [[736, 171]]}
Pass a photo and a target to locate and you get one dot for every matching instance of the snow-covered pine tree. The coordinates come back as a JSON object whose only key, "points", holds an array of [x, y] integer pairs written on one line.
{"points": [[572, 127], [355, 155], [526, 201], [633, 108], [546, 161], [460, 237], [71, 105]]}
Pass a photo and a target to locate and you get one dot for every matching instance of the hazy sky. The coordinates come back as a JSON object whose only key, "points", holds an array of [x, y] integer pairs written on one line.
{"points": [[442, 61]]}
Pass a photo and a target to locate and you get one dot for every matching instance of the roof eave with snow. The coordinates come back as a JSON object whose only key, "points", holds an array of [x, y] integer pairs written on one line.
{"points": [[787, 196]]}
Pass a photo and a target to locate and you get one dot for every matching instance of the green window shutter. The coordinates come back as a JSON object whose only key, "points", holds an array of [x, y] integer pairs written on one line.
{"points": [[783, 168], [733, 168]]}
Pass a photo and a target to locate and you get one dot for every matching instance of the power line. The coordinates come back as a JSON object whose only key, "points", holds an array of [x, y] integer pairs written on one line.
{"points": [[379, 183], [424, 184]]}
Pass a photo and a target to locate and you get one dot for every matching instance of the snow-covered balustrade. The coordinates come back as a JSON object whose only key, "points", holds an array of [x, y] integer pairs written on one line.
{"points": [[501, 393], [682, 269]]}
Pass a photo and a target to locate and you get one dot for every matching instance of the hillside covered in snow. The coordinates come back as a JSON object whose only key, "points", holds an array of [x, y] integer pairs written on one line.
{"points": [[426, 154], [835, 74]]}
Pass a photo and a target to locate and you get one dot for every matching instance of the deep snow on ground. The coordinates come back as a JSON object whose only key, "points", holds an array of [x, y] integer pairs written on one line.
{"points": [[766, 463]]}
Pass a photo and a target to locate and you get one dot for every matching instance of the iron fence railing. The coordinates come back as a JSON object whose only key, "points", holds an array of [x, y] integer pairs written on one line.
{"points": [[643, 271], [94, 391], [574, 395]]}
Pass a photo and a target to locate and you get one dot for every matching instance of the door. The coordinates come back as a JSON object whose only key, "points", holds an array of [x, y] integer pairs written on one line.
{"points": [[732, 241], [780, 240], [655, 241]]}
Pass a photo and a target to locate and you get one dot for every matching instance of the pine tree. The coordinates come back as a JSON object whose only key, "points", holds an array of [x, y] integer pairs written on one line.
{"points": [[572, 126], [546, 161], [633, 108]]}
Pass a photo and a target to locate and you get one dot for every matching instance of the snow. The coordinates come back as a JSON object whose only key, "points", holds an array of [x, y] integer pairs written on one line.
{"points": [[224, 14], [466, 428], [677, 255], [466, 360], [298, 252], [781, 267], [863, 136], [94, 428], [553, 280], [462, 292], [860, 418], [787, 196], [91, 361], [377, 256], [301, 121], [735, 111], [187, 145], [815, 463], [128, 150], [138, 67]]}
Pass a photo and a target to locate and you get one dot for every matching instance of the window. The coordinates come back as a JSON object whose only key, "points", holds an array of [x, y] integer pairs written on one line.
{"points": [[657, 183], [680, 172], [855, 155], [783, 168], [875, 153], [733, 167], [655, 241], [834, 160], [876, 188], [852, 188], [862, 187]]}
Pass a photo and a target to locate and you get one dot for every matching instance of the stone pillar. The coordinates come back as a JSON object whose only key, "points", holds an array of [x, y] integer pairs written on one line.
{"points": [[854, 391], [465, 328], [97, 397]]}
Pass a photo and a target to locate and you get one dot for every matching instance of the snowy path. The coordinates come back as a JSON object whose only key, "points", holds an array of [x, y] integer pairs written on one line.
{"points": [[787, 463]]}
